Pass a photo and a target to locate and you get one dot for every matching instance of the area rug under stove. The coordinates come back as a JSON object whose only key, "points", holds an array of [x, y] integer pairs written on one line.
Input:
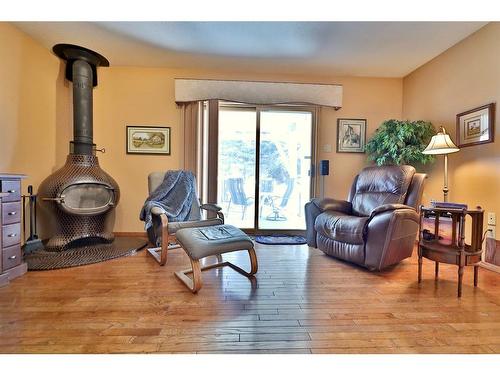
{"points": [[49, 260]]}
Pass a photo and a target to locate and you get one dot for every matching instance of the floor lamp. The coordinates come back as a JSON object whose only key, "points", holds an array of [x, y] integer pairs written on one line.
{"points": [[441, 144]]}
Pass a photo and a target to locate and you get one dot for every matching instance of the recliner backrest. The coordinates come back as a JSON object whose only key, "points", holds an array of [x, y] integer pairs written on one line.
{"points": [[416, 190], [376, 186], [156, 178]]}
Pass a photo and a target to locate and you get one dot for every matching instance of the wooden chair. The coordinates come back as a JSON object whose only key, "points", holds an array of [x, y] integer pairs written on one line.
{"points": [[162, 233]]}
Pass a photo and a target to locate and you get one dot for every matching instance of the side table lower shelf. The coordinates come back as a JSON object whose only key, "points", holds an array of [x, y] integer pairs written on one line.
{"points": [[439, 254], [457, 252]]}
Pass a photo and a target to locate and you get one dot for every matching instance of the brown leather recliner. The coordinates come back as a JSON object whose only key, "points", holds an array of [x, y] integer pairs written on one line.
{"points": [[378, 224]]}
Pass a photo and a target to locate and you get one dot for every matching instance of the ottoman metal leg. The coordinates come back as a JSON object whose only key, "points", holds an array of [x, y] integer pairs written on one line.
{"points": [[194, 284]]}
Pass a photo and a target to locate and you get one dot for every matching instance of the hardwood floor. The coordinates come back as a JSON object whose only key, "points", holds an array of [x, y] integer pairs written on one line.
{"points": [[302, 302]]}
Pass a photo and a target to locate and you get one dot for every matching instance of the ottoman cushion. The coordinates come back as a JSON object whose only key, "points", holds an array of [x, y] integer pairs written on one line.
{"points": [[173, 227], [197, 245]]}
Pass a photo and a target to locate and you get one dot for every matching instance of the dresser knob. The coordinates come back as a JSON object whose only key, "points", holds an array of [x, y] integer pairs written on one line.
{"points": [[11, 191], [12, 257], [12, 213], [12, 235]]}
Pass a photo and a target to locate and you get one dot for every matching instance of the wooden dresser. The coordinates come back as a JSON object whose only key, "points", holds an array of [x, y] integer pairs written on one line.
{"points": [[11, 257]]}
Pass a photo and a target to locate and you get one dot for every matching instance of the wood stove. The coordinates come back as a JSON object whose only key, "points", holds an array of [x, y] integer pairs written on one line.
{"points": [[80, 197]]}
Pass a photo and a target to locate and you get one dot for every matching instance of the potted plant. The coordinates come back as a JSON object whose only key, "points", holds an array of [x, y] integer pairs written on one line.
{"points": [[401, 142]]}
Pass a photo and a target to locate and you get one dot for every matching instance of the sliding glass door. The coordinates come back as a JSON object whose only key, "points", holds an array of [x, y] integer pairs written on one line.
{"points": [[284, 168], [264, 165]]}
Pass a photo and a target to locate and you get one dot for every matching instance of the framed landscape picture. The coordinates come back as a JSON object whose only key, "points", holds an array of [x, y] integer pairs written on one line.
{"points": [[475, 127], [351, 135], [148, 140]]}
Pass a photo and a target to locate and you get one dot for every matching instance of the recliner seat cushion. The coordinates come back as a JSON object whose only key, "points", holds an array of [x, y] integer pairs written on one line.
{"points": [[376, 186], [341, 227]]}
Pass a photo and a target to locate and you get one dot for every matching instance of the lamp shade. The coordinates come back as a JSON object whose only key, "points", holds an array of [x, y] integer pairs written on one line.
{"points": [[440, 144]]}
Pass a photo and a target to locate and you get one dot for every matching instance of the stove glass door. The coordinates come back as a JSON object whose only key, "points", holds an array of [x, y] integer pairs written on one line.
{"points": [[87, 198]]}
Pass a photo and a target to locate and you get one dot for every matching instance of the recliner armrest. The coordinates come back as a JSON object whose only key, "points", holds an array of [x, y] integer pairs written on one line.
{"points": [[389, 207], [390, 235], [211, 207], [330, 204]]}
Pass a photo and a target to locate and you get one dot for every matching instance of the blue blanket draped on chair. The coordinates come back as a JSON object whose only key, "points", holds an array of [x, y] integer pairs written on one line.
{"points": [[174, 196]]}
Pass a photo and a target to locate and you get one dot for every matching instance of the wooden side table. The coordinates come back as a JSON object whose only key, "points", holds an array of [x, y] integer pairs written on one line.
{"points": [[458, 252]]}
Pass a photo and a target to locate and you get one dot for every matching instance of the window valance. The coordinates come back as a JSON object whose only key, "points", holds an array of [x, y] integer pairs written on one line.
{"points": [[256, 92]]}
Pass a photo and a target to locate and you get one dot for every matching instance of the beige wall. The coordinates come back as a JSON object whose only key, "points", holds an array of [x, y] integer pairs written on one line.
{"points": [[464, 77], [135, 96], [29, 86], [145, 96]]}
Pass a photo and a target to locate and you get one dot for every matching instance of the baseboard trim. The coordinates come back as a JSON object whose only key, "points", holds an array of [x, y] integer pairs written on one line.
{"points": [[12, 273], [490, 267], [131, 234], [4, 279]]}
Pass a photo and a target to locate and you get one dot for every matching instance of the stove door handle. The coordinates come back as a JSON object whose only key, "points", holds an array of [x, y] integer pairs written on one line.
{"points": [[58, 200]]}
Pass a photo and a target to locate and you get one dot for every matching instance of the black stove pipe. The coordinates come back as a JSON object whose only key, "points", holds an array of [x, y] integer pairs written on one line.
{"points": [[81, 69], [83, 141]]}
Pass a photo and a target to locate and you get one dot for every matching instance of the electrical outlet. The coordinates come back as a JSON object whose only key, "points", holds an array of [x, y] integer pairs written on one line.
{"points": [[492, 233], [492, 218]]}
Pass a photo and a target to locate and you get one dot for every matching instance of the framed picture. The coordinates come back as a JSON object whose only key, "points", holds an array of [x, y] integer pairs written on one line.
{"points": [[351, 135], [475, 127], [148, 140]]}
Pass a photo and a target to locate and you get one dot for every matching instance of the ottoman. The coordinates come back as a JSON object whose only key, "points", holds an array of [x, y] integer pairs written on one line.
{"points": [[202, 242]]}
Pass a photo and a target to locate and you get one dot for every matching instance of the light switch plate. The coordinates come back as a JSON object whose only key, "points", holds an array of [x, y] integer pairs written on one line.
{"points": [[327, 148]]}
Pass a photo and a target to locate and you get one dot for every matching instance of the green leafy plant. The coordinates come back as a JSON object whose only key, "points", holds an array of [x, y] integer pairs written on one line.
{"points": [[401, 142]]}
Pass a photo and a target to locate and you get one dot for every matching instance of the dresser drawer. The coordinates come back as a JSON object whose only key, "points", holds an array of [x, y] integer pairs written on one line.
{"points": [[13, 188], [11, 234], [11, 256], [11, 213]]}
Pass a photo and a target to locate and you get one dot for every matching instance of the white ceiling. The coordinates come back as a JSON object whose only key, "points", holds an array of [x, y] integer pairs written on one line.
{"points": [[376, 49]]}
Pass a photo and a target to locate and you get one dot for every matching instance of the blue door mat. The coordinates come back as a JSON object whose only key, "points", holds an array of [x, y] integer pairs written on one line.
{"points": [[281, 239]]}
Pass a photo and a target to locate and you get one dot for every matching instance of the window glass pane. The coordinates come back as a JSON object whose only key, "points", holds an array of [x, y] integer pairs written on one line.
{"points": [[236, 165]]}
